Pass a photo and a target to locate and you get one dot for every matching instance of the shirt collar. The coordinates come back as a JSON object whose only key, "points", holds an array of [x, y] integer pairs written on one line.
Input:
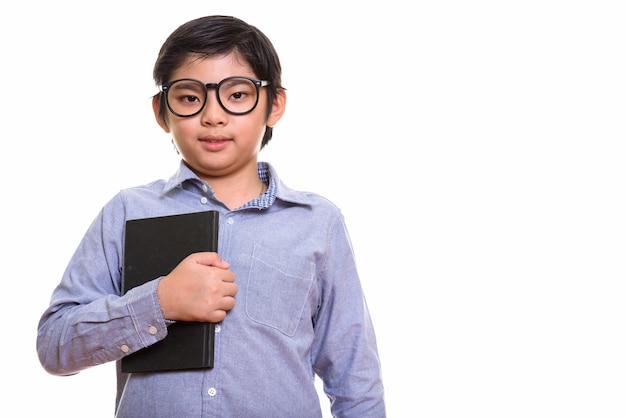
{"points": [[266, 171]]}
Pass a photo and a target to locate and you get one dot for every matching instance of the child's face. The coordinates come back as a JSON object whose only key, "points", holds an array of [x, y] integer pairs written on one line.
{"points": [[215, 143]]}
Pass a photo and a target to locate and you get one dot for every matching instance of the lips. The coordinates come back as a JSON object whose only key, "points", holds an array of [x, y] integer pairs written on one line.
{"points": [[214, 138], [215, 143]]}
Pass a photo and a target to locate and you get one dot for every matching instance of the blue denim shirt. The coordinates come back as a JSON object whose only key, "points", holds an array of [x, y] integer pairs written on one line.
{"points": [[300, 310]]}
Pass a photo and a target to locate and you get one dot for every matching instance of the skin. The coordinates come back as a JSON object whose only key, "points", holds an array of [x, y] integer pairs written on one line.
{"points": [[221, 149]]}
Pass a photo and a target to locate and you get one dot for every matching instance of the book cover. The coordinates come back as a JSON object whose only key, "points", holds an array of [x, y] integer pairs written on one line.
{"points": [[152, 248]]}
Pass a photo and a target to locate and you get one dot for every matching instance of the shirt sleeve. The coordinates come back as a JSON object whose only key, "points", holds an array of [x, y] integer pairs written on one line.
{"points": [[345, 354], [88, 322]]}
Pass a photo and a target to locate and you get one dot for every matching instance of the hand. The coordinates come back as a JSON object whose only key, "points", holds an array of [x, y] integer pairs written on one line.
{"points": [[200, 288]]}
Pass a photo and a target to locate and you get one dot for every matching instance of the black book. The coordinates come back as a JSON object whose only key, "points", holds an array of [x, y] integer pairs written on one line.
{"points": [[152, 248]]}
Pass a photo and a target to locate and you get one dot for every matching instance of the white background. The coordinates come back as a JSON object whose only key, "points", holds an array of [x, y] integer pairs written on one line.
{"points": [[475, 147]]}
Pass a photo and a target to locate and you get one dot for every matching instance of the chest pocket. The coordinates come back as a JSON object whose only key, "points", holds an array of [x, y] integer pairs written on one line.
{"points": [[278, 288]]}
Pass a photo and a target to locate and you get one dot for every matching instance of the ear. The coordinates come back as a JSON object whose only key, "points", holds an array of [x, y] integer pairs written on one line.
{"points": [[156, 106], [278, 108]]}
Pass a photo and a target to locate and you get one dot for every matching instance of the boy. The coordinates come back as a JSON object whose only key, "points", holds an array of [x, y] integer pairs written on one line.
{"points": [[284, 289]]}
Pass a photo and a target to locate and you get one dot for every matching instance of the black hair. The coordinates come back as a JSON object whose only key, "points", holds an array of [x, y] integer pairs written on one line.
{"points": [[219, 35]]}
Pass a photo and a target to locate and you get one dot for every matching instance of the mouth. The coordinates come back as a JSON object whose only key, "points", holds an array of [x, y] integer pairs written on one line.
{"points": [[214, 143], [214, 139]]}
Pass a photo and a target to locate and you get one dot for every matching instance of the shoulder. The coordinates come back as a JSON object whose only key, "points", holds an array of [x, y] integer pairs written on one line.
{"points": [[131, 202], [312, 202], [147, 193], [159, 197]]}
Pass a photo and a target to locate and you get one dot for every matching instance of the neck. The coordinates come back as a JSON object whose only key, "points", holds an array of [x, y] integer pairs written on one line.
{"points": [[235, 195]]}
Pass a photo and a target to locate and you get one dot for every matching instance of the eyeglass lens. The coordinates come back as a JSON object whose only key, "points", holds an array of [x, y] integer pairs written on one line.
{"points": [[235, 95]]}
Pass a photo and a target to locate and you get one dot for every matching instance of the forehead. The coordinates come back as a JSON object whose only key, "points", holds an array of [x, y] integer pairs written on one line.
{"points": [[213, 69]]}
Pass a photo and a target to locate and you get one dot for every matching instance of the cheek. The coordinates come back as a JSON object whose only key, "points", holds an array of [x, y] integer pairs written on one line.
{"points": [[255, 133], [180, 128], [257, 124]]}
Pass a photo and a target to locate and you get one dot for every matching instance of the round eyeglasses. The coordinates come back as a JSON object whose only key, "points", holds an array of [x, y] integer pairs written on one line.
{"points": [[237, 95]]}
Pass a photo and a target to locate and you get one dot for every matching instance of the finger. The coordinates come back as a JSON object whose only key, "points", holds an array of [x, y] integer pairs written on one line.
{"points": [[230, 289], [227, 303], [210, 259]]}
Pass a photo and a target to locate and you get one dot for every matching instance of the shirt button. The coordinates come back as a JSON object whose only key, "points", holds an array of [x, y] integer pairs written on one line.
{"points": [[205, 188], [203, 200], [230, 221], [218, 328], [152, 330], [212, 392], [124, 348]]}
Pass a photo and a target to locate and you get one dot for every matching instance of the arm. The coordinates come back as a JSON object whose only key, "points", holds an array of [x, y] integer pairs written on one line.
{"points": [[88, 322], [344, 351]]}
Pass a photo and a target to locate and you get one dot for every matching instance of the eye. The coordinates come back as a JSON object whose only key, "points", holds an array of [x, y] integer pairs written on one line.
{"points": [[186, 97], [189, 99], [237, 95], [187, 92], [238, 90]]}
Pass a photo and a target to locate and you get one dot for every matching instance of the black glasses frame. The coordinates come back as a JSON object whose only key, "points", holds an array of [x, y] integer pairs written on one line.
{"points": [[257, 83]]}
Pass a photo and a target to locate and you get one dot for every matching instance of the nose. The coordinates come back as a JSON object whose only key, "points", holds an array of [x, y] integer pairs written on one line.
{"points": [[213, 113]]}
